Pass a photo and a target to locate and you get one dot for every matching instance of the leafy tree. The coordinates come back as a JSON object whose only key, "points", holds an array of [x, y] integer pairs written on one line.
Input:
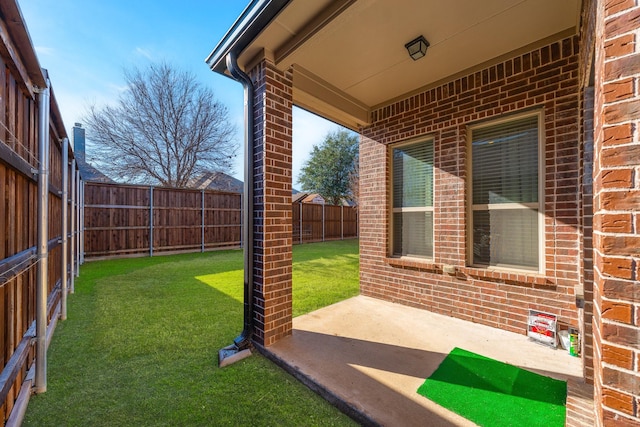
{"points": [[354, 183], [165, 128], [331, 167]]}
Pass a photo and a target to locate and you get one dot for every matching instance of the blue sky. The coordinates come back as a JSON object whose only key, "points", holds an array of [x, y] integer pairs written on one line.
{"points": [[86, 45]]}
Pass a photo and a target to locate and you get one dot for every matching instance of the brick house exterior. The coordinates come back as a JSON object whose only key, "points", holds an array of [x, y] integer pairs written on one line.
{"points": [[584, 87], [545, 79]]}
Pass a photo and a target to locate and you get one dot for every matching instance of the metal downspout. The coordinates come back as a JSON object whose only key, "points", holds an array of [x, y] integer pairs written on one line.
{"points": [[43, 236], [243, 342]]}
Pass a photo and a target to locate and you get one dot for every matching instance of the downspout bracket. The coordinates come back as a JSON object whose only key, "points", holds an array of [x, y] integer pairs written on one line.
{"points": [[232, 354]]}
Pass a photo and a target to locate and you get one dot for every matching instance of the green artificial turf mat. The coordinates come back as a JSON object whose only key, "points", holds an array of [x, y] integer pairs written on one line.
{"points": [[492, 393]]}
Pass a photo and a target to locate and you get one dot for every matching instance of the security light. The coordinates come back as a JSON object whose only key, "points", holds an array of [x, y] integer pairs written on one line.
{"points": [[417, 48]]}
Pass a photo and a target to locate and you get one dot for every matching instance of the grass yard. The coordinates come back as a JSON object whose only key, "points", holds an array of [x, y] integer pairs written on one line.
{"points": [[139, 347]]}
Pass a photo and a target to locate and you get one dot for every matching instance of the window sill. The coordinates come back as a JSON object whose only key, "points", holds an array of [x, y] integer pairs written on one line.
{"points": [[509, 277], [425, 264]]}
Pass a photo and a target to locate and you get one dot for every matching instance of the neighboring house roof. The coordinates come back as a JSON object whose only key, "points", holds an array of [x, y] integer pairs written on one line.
{"points": [[217, 181], [298, 197], [222, 182], [90, 174], [314, 198]]}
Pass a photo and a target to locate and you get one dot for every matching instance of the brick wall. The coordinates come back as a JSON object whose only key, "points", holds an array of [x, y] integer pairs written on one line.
{"points": [[272, 202], [587, 231], [616, 226], [546, 79]]}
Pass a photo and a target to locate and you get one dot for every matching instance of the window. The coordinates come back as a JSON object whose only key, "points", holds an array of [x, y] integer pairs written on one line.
{"points": [[412, 223], [505, 191]]}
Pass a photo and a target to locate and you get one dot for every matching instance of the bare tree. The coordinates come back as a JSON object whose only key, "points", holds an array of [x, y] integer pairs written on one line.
{"points": [[165, 129]]}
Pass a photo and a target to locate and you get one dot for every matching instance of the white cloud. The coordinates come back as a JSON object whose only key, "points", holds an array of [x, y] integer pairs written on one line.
{"points": [[144, 52], [44, 50], [117, 88]]}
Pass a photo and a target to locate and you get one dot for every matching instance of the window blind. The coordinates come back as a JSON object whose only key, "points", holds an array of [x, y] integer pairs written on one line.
{"points": [[505, 194], [413, 175], [505, 162], [412, 220]]}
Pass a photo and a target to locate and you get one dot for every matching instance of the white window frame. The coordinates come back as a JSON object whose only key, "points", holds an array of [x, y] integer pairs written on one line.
{"points": [[393, 210], [503, 206]]}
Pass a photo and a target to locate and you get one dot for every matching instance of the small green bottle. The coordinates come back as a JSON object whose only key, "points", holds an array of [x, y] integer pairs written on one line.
{"points": [[574, 343]]}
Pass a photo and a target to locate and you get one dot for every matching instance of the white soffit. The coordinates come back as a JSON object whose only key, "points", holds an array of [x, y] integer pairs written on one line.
{"points": [[357, 47]]}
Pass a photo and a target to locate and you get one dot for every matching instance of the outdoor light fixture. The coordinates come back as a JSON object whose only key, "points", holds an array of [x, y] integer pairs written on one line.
{"points": [[417, 48]]}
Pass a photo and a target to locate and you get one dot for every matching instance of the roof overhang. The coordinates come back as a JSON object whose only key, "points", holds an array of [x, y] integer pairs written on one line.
{"points": [[253, 19], [19, 55], [16, 47], [348, 57]]}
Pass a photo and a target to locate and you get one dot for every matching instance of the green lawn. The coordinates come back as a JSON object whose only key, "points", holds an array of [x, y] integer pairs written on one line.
{"points": [[139, 347]]}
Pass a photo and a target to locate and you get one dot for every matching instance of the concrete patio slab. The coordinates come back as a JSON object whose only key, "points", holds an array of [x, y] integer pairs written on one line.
{"points": [[371, 356]]}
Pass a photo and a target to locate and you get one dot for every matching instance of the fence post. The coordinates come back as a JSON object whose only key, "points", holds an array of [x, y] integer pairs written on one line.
{"points": [[65, 213], [202, 204], [300, 222], [150, 221], [81, 222], [342, 222], [241, 222], [43, 237], [323, 222], [72, 234], [77, 238]]}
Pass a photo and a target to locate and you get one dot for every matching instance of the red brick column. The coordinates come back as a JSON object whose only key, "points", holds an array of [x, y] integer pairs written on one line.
{"points": [[272, 202], [616, 226]]}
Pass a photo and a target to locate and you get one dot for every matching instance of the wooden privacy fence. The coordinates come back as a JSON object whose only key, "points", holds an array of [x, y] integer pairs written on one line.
{"points": [[129, 220], [123, 220], [40, 188], [316, 223]]}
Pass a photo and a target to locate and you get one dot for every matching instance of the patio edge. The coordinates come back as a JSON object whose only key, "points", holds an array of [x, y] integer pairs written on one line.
{"points": [[351, 411]]}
